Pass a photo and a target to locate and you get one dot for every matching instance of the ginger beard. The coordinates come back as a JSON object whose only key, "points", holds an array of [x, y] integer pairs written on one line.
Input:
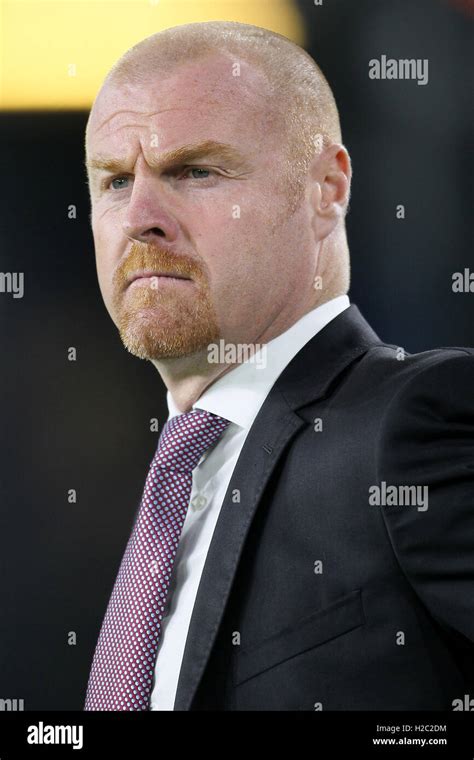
{"points": [[159, 320]]}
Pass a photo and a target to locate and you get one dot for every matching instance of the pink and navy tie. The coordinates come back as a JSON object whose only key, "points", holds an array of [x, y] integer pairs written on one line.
{"points": [[122, 670]]}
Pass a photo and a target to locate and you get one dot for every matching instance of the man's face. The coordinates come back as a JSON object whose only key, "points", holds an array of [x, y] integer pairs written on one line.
{"points": [[220, 219]]}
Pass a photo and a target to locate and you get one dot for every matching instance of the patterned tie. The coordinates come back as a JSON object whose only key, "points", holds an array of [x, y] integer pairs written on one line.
{"points": [[122, 670]]}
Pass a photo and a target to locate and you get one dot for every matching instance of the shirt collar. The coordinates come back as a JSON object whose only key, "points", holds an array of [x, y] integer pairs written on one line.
{"points": [[238, 395]]}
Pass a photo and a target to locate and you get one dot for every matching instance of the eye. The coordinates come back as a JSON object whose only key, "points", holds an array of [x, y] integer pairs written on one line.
{"points": [[117, 179], [198, 172]]}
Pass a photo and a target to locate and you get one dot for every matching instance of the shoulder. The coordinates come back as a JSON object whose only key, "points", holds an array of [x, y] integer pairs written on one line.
{"points": [[426, 444], [428, 417], [432, 390]]}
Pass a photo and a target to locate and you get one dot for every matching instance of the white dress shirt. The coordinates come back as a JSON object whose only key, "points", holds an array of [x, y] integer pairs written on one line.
{"points": [[237, 396]]}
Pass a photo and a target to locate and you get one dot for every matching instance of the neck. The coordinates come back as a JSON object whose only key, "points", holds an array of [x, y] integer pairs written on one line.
{"points": [[186, 378]]}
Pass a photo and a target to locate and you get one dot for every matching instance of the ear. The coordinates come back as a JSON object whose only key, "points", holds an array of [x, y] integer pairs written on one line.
{"points": [[330, 174]]}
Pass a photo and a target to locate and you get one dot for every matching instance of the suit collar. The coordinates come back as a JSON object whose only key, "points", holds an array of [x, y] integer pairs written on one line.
{"points": [[320, 361]]}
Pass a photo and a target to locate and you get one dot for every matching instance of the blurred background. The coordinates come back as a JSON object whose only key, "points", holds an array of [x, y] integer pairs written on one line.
{"points": [[85, 424]]}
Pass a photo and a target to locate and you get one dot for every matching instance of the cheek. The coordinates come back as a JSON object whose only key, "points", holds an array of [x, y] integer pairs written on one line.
{"points": [[243, 263], [104, 259]]}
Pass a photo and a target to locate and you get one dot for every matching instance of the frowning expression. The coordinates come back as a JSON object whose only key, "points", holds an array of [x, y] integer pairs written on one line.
{"points": [[193, 235]]}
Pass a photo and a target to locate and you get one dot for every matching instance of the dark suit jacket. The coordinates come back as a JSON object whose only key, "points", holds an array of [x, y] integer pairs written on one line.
{"points": [[386, 621]]}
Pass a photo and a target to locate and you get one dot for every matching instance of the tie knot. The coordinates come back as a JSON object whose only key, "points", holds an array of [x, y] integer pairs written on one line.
{"points": [[186, 437]]}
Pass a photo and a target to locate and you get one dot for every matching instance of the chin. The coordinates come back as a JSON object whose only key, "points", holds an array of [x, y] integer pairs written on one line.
{"points": [[157, 345]]}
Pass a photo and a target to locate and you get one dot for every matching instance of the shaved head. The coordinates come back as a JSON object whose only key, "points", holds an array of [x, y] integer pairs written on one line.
{"points": [[298, 99]]}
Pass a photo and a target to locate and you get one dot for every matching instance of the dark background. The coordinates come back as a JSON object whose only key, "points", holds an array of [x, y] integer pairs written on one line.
{"points": [[86, 424]]}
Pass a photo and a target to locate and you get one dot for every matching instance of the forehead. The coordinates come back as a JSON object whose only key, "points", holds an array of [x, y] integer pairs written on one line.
{"points": [[219, 97]]}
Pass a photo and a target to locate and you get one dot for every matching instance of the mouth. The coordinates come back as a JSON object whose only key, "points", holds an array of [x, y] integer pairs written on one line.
{"points": [[146, 275]]}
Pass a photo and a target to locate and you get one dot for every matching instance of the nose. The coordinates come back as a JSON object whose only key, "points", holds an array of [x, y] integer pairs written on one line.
{"points": [[147, 220]]}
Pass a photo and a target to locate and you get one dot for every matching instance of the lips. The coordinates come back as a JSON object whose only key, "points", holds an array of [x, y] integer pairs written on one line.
{"points": [[148, 273]]}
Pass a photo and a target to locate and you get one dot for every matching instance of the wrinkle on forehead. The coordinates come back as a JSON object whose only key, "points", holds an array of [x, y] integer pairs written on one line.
{"points": [[146, 114], [197, 78]]}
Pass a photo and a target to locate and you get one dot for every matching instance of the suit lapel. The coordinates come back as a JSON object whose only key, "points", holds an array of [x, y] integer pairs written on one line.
{"points": [[262, 448], [305, 379]]}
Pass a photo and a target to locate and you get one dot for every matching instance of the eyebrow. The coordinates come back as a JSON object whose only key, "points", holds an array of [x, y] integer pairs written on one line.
{"points": [[185, 154]]}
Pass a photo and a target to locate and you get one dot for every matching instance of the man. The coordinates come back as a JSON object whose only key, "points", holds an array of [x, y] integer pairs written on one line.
{"points": [[304, 540]]}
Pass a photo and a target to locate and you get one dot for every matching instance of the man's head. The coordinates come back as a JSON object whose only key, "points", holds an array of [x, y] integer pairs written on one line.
{"points": [[213, 153]]}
